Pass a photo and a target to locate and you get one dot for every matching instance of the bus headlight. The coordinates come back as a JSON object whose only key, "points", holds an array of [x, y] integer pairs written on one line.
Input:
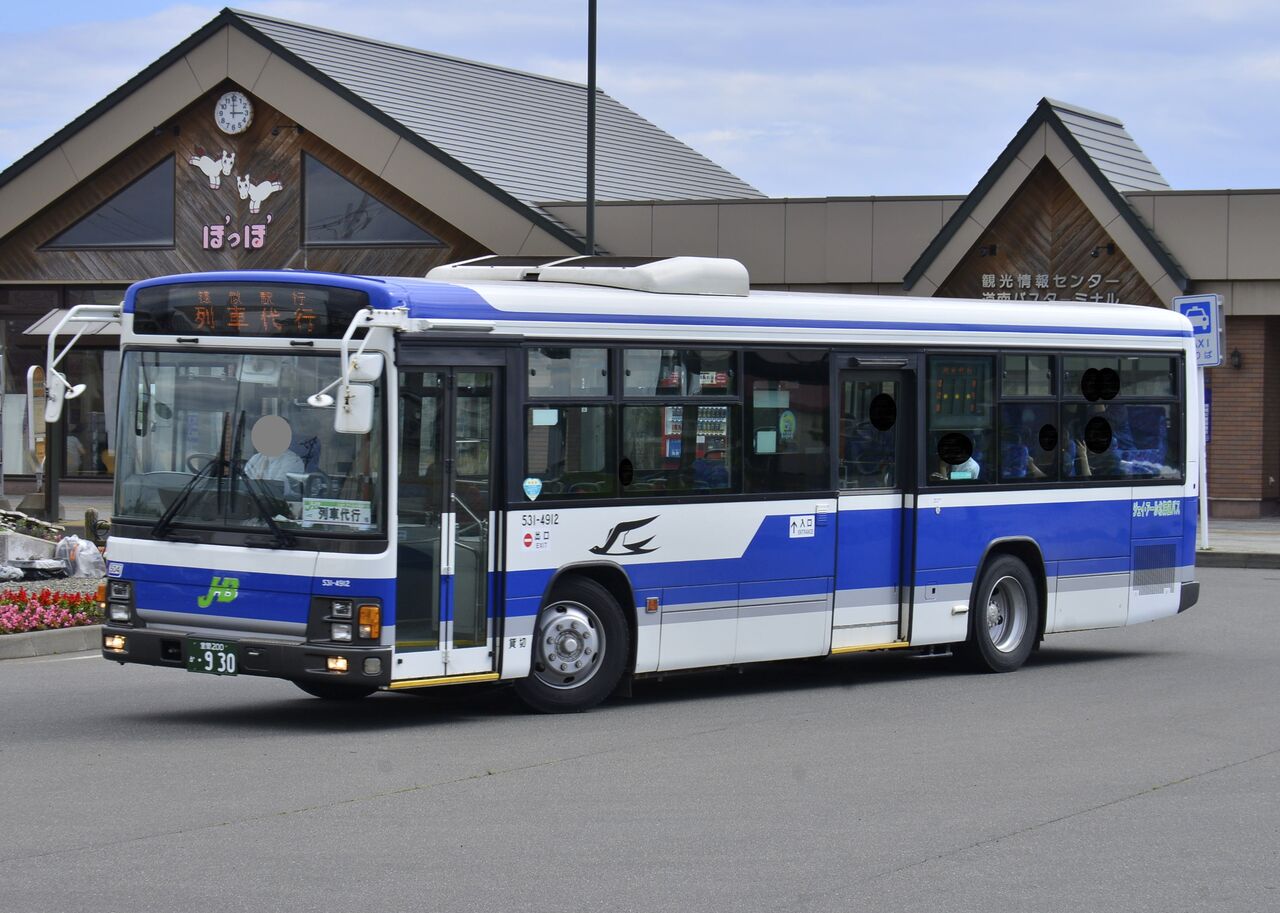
{"points": [[370, 621], [340, 632], [115, 600]]}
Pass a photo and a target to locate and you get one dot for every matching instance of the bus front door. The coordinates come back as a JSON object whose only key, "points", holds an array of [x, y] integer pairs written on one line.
{"points": [[873, 557], [445, 538]]}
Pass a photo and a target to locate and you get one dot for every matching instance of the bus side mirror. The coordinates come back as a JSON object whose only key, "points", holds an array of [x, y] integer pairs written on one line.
{"points": [[354, 412], [365, 368], [53, 396]]}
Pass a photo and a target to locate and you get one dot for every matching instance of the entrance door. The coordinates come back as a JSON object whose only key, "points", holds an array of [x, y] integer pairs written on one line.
{"points": [[875, 503], [445, 584]]}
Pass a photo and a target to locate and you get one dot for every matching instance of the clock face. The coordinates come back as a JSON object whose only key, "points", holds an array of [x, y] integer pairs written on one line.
{"points": [[233, 113]]}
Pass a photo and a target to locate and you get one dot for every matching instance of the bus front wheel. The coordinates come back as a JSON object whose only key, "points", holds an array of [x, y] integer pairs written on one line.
{"points": [[580, 649], [1004, 617]]}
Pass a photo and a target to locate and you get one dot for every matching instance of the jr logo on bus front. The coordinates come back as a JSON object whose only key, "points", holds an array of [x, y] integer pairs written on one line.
{"points": [[221, 589]]}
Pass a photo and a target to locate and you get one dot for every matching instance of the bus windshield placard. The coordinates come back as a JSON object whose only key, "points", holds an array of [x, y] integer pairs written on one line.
{"points": [[247, 309]]}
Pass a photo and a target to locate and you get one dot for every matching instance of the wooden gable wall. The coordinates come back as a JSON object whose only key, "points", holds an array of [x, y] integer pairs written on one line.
{"points": [[259, 155], [1045, 230]]}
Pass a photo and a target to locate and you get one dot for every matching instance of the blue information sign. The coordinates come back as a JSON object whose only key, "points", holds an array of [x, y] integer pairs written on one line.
{"points": [[1205, 314]]}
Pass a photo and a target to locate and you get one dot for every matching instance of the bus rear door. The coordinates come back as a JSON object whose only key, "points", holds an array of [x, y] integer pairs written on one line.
{"points": [[873, 554]]}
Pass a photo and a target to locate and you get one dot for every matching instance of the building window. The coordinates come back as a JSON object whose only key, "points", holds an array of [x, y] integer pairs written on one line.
{"points": [[140, 215], [337, 213]]}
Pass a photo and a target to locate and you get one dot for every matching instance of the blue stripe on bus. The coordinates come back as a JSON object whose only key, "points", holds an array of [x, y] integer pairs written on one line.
{"points": [[1075, 538], [271, 597]]}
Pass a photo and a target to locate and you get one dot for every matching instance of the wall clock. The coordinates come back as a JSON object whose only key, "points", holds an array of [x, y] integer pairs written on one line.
{"points": [[233, 113]]}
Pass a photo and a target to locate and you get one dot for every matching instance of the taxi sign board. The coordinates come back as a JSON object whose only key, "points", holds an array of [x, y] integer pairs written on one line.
{"points": [[1207, 326]]}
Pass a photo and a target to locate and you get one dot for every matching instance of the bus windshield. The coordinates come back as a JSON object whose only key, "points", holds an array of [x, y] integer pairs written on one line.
{"points": [[227, 441]]}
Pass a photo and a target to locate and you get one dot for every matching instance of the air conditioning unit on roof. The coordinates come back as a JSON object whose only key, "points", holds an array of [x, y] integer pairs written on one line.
{"points": [[661, 275]]}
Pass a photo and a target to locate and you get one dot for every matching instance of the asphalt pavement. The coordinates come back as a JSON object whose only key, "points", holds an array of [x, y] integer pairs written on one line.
{"points": [[1126, 770]]}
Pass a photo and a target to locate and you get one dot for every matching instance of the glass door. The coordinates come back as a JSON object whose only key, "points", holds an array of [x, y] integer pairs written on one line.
{"points": [[875, 505], [445, 547]]}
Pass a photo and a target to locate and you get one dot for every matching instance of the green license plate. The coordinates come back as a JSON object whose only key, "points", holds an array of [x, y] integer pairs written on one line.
{"points": [[213, 657]]}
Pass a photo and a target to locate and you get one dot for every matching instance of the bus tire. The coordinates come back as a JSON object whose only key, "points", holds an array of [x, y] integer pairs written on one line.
{"points": [[1004, 616], [580, 649], [332, 691]]}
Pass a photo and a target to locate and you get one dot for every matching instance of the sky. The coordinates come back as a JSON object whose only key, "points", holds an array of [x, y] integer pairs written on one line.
{"points": [[807, 98]]}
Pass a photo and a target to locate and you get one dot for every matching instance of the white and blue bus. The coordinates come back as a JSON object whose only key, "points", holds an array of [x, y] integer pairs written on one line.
{"points": [[566, 474]]}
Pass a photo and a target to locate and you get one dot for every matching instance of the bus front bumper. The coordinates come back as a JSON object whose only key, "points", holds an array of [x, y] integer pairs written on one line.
{"points": [[366, 667]]}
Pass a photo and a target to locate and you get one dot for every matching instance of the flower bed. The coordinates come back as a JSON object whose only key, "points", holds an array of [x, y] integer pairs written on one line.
{"points": [[22, 610]]}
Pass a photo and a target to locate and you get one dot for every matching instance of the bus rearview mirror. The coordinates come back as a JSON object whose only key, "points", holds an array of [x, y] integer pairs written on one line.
{"points": [[54, 390], [366, 368], [354, 412]]}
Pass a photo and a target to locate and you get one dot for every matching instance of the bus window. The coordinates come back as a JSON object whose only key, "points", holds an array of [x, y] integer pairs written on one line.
{"points": [[960, 412], [868, 432], [678, 448], [568, 449], [678, 372], [1120, 441], [788, 438], [568, 372], [1028, 442]]}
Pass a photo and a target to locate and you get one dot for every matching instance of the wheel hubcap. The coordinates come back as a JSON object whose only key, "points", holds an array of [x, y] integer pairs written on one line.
{"points": [[1007, 614], [570, 643]]}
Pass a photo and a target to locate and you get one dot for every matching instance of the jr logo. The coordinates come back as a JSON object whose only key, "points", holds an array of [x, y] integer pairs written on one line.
{"points": [[223, 589]]}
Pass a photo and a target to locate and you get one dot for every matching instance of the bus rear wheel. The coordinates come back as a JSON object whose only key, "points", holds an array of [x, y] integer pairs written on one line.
{"points": [[330, 691], [1004, 617], [580, 649]]}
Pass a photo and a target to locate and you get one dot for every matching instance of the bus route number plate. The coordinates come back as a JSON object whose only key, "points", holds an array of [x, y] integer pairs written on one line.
{"points": [[213, 657]]}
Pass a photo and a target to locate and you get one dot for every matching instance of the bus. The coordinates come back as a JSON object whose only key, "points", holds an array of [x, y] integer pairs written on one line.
{"points": [[566, 474]]}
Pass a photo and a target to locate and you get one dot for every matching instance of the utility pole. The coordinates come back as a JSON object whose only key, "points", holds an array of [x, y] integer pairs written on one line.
{"points": [[589, 248]]}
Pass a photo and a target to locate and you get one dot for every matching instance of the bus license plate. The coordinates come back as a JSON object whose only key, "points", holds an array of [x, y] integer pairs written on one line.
{"points": [[213, 657]]}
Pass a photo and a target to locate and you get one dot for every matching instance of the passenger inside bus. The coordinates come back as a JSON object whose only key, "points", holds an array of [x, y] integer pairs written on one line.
{"points": [[959, 457]]}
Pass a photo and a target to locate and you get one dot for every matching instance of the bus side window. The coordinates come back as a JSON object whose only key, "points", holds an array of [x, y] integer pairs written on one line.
{"points": [[961, 411], [788, 425]]}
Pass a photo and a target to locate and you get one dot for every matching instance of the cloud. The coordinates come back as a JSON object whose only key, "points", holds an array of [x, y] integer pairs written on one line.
{"points": [[53, 75], [804, 99]]}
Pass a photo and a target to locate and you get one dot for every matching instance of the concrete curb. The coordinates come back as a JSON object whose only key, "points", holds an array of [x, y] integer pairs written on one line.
{"points": [[49, 643], [1263, 560]]}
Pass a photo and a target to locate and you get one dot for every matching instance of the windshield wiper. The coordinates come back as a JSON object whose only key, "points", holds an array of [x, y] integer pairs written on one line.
{"points": [[166, 519]]}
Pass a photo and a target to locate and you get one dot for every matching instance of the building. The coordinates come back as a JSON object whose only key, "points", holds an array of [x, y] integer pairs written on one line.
{"points": [[258, 142]]}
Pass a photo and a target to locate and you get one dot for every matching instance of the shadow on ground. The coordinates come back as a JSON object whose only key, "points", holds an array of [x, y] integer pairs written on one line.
{"points": [[472, 704]]}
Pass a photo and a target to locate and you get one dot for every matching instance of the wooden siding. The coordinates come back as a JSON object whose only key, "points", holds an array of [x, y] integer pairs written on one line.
{"points": [[1046, 229], [258, 155]]}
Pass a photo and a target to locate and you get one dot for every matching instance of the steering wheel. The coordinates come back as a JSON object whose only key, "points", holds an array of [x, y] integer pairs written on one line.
{"points": [[318, 484], [198, 461]]}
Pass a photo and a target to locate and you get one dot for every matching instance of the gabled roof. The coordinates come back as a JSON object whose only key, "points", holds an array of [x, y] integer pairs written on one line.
{"points": [[518, 136], [1109, 146], [1110, 159], [524, 132]]}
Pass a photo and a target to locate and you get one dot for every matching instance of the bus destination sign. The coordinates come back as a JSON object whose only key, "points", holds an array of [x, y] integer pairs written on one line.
{"points": [[241, 309]]}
